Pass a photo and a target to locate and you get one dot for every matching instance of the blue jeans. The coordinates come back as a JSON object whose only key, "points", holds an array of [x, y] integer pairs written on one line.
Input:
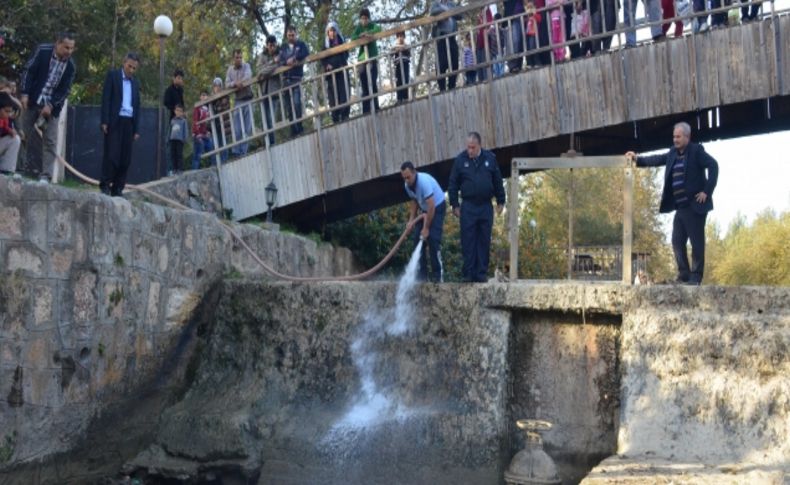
{"points": [[653, 13], [199, 147], [293, 109], [242, 111], [434, 243]]}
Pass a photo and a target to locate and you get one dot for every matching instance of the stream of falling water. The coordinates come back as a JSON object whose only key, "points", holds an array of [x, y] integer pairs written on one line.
{"points": [[372, 406]]}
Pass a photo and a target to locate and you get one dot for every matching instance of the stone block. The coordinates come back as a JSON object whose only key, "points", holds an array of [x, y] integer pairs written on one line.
{"points": [[24, 258], [35, 222], [61, 222], [10, 223], [60, 261], [162, 258], [145, 251], [42, 387], [43, 304], [10, 353], [181, 302], [37, 352], [85, 299], [152, 307], [113, 300]]}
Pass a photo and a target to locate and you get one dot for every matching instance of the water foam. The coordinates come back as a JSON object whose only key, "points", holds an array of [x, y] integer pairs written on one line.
{"points": [[372, 406]]}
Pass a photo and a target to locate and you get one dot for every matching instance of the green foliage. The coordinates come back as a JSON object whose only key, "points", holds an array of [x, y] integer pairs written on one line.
{"points": [[756, 254], [116, 296], [7, 447], [118, 260], [597, 215]]}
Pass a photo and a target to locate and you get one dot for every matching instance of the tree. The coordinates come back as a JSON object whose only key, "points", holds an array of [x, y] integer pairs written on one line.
{"points": [[751, 255]]}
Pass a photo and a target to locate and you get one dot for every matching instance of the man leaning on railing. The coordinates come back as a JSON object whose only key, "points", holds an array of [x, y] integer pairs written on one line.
{"points": [[446, 47], [367, 67], [292, 53], [238, 73], [267, 64]]}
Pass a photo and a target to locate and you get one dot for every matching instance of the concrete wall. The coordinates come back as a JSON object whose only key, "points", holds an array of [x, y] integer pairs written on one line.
{"points": [[280, 395], [95, 293], [705, 389]]}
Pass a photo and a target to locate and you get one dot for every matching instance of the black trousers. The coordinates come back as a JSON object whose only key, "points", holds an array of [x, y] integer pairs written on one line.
{"points": [[688, 225], [370, 84], [434, 246], [336, 91], [477, 220], [447, 53], [177, 154], [402, 67], [117, 156]]}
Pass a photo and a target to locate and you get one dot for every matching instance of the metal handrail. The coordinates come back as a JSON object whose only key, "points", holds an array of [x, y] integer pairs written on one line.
{"points": [[316, 105]]}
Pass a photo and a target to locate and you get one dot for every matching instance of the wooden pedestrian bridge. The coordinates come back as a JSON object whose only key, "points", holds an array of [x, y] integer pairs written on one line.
{"points": [[726, 83]]}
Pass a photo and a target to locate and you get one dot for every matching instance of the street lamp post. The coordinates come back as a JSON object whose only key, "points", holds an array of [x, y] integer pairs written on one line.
{"points": [[163, 27], [271, 199]]}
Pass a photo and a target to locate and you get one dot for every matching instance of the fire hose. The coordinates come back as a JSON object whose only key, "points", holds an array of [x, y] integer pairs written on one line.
{"points": [[266, 267]]}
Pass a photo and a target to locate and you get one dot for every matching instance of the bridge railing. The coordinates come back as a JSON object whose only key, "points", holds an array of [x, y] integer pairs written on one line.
{"points": [[320, 91]]}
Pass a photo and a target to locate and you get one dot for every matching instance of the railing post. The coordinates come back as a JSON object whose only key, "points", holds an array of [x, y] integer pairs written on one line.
{"points": [[513, 222], [628, 220]]}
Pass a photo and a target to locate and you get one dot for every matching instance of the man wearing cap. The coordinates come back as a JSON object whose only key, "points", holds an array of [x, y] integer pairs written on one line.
{"points": [[426, 194]]}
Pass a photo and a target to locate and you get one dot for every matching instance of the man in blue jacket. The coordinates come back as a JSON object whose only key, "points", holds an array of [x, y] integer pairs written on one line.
{"points": [[292, 53], [427, 195], [688, 190], [46, 83], [120, 120], [476, 174]]}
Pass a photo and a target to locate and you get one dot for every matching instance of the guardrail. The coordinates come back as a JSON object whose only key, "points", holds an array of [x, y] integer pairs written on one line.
{"points": [[319, 89]]}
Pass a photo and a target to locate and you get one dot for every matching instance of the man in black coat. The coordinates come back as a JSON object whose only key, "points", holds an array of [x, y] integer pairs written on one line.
{"points": [[476, 175], [120, 117], [688, 190], [46, 83]]}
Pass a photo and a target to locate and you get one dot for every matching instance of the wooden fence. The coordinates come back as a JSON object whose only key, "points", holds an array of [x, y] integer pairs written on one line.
{"points": [[694, 72]]}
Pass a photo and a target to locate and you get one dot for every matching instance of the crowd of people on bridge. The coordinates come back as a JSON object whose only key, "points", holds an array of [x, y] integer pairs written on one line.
{"points": [[31, 111], [527, 33]]}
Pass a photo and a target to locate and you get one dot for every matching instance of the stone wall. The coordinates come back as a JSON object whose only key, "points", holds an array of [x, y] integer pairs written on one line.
{"points": [[705, 389], [282, 395], [196, 189], [95, 293]]}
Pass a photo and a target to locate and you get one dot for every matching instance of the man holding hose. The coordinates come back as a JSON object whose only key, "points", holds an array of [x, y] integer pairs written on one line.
{"points": [[427, 195]]}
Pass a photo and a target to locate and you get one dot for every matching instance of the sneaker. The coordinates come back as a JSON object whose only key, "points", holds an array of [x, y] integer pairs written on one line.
{"points": [[704, 27], [43, 181]]}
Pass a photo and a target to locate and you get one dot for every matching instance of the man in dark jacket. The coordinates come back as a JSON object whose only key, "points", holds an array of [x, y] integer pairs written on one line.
{"points": [[120, 119], [476, 174], [292, 53], [174, 94], [46, 83], [689, 192]]}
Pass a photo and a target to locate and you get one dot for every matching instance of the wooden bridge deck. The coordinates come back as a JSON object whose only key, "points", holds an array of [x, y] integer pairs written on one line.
{"points": [[679, 76]]}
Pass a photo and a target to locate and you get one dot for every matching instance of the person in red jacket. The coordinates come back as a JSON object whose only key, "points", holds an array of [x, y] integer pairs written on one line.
{"points": [[9, 139], [484, 21], [201, 138]]}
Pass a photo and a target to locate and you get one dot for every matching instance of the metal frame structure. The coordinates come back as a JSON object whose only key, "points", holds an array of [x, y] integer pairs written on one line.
{"points": [[571, 161]]}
